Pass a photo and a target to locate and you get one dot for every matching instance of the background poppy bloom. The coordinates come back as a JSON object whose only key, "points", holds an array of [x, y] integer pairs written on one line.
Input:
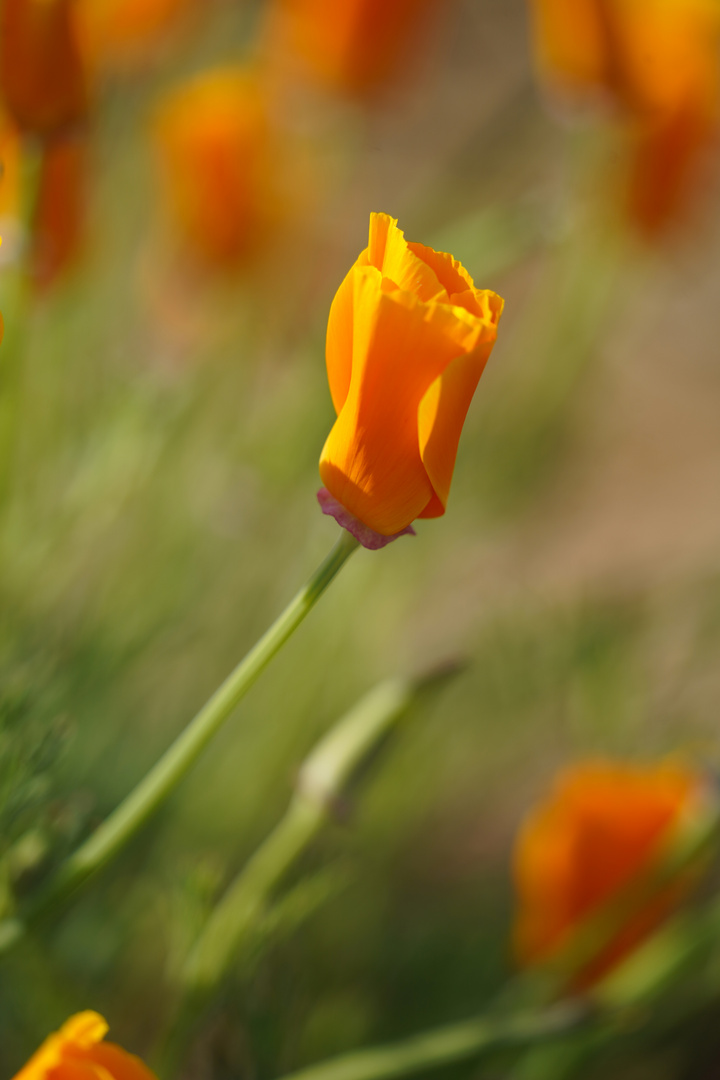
{"points": [[601, 826], [77, 1052], [658, 62], [59, 216], [672, 82], [354, 46], [10, 168], [408, 338], [570, 43], [122, 30], [42, 79], [212, 138]]}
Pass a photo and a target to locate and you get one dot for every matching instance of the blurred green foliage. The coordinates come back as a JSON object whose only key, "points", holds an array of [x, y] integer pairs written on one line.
{"points": [[160, 510]]}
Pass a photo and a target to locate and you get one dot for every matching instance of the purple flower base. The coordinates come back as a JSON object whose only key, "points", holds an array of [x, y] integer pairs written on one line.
{"points": [[367, 536]]}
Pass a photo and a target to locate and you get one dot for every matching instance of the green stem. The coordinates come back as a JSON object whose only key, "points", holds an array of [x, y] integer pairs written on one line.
{"points": [[634, 985], [163, 778], [446, 1045], [522, 1015], [238, 916], [319, 785]]}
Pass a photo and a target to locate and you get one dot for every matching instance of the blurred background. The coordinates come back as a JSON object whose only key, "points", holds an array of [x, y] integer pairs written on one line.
{"points": [[165, 403]]}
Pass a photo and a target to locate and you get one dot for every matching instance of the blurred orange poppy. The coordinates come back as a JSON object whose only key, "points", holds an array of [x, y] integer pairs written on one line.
{"points": [[10, 168], [408, 338], [77, 1052], [570, 42], [657, 60], [116, 31], [355, 45], [602, 825], [213, 142], [57, 226], [42, 78]]}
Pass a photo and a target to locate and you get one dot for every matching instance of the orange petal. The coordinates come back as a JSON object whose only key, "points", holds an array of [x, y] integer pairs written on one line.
{"points": [[77, 1052], [442, 413], [601, 826], [119, 1064], [74, 1070], [83, 1030], [339, 341], [543, 867], [389, 251], [451, 274], [371, 461]]}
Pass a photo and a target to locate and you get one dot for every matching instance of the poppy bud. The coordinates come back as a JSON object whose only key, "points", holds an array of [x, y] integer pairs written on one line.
{"points": [[77, 1052], [120, 32], [408, 338], [354, 46], [601, 827], [42, 80], [657, 62], [212, 138]]}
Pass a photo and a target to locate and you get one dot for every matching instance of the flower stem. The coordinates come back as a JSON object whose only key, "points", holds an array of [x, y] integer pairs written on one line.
{"points": [[320, 783], [528, 1011], [125, 821], [237, 920]]}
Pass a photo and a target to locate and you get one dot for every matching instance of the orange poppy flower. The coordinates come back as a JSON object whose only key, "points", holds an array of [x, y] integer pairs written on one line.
{"points": [[212, 138], [645, 53], [664, 161], [408, 338], [353, 46], [60, 208], [657, 60], [570, 43], [10, 168], [42, 79], [77, 1052], [673, 83], [602, 825], [115, 31]]}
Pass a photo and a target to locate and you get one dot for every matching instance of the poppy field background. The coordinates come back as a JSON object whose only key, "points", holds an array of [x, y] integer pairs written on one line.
{"points": [[162, 422]]}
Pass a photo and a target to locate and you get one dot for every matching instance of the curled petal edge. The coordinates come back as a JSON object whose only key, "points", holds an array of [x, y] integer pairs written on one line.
{"points": [[366, 536]]}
